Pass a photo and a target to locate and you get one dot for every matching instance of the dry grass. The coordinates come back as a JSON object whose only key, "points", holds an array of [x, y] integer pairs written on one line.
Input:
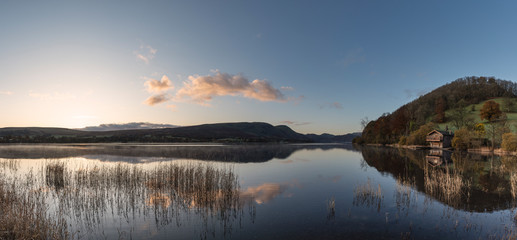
{"points": [[11, 164], [55, 175], [166, 193], [513, 185], [367, 195], [445, 184], [24, 216]]}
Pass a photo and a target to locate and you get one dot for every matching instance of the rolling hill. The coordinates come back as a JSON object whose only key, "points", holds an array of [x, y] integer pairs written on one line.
{"points": [[220, 132], [437, 106]]}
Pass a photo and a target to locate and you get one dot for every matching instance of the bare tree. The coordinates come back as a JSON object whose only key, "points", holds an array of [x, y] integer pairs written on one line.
{"points": [[364, 123]]}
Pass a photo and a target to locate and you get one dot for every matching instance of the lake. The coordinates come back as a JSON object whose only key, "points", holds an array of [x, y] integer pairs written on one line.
{"points": [[289, 191]]}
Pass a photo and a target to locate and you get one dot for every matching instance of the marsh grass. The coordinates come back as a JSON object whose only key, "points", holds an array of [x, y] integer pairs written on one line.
{"points": [[446, 184], [513, 185], [11, 164], [61, 196], [25, 216], [55, 175], [367, 195]]}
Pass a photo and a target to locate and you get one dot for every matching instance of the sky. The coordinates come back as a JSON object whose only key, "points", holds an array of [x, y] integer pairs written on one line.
{"points": [[316, 66]]}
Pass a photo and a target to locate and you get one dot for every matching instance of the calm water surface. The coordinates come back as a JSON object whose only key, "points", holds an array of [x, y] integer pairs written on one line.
{"points": [[267, 191]]}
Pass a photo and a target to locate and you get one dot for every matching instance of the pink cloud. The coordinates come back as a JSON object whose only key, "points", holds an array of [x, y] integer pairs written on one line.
{"points": [[155, 86], [157, 99], [202, 89]]}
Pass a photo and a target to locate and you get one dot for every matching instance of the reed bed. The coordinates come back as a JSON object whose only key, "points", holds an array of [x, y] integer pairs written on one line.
{"points": [[446, 185], [25, 216], [81, 198], [11, 164], [368, 195], [55, 175], [513, 185]]}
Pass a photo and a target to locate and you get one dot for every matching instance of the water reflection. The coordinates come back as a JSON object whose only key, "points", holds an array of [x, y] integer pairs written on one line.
{"points": [[461, 180], [169, 193], [264, 193], [438, 157], [321, 194], [152, 153]]}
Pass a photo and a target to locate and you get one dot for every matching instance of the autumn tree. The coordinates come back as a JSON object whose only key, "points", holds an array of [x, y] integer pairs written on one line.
{"points": [[490, 111], [462, 139], [478, 135], [479, 129]]}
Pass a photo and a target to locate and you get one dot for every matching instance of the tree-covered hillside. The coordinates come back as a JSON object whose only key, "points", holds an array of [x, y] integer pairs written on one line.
{"points": [[444, 104]]}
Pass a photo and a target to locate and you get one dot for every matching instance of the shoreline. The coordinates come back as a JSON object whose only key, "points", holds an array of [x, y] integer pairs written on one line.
{"points": [[482, 150]]}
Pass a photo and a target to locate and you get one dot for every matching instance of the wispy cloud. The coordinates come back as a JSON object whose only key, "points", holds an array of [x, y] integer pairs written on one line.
{"points": [[287, 88], [145, 53], [354, 56], [157, 99], [156, 86], [52, 96], [127, 126], [335, 105], [202, 89], [6, 93], [288, 122]]}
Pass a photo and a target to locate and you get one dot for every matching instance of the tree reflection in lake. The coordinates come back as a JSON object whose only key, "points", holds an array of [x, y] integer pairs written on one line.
{"points": [[470, 182]]}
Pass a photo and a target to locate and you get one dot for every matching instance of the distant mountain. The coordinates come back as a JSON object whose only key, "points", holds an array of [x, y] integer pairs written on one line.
{"points": [[127, 126], [220, 132], [329, 138]]}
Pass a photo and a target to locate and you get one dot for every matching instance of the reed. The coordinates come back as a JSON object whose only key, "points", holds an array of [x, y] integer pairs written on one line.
{"points": [[447, 185], [367, 195], [513, 185], [24, 216], [10, 164], [55, 175]]}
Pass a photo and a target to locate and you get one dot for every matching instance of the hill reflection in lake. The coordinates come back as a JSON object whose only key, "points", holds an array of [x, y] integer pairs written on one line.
{"points": [[487, 177], [158, 152]]}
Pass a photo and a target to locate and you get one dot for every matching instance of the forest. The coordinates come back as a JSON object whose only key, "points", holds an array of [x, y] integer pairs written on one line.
{"points": [[448, 104]]}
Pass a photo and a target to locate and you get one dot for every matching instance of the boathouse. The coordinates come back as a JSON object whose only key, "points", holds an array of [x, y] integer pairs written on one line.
{"points": [[439, 139]]}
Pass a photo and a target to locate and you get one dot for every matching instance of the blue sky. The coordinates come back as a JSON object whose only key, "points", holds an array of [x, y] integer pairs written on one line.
{"points": [[317, 66]]}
